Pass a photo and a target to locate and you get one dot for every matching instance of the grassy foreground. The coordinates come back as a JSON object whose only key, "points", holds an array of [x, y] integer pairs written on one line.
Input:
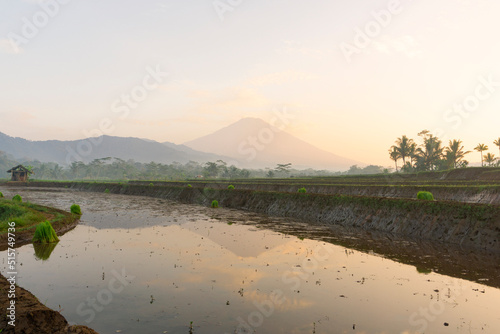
{"points": [[27, 216]]}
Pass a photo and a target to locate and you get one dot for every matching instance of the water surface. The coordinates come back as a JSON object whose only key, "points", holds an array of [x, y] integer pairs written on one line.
{"points": [[143, 265]]}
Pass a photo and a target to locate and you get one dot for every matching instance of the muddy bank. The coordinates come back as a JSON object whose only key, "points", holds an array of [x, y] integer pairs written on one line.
{"points": [[468, 225], [32, 317]]}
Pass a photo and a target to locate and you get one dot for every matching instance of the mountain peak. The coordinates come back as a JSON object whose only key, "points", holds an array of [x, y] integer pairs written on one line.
{"points": [[258, 144]]}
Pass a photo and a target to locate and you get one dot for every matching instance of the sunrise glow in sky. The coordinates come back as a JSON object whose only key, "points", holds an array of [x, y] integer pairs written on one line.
{"points": [[355, 74]]}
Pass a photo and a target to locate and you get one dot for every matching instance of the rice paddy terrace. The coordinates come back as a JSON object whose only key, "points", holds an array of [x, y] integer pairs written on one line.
{"points": [[471, 185], [352, 254], [466, 210]]}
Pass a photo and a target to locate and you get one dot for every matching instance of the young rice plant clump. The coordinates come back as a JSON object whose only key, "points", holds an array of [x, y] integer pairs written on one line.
{"points": [[425, 195], [45, 233], [75, 208]]}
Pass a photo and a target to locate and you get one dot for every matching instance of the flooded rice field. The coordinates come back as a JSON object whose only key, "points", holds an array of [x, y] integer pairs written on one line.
{"points": [[145, 265]]}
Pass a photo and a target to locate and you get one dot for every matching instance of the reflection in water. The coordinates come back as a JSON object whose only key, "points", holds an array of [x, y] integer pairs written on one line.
{"points": [[179, 270], [43, 250]]}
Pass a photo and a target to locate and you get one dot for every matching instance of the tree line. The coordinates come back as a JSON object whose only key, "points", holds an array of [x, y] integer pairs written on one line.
{"points": [[432, 155], [118, 169]]}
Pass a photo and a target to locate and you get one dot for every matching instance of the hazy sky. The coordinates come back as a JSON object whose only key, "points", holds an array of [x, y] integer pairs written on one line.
{"points": [[355, 74]]}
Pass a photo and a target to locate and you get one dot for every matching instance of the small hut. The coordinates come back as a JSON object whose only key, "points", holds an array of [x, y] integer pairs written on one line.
{"points": [[19, 173]]}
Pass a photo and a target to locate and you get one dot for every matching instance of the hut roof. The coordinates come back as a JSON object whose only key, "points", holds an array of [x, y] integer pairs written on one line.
{"points": [[19, 168]]}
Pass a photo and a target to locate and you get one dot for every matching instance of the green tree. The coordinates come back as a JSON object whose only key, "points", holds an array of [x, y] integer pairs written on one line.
{"points": [[481, 148], [429, 155], [490, 159], [404, 146], [455, 153], [210, 169], [394, 155], [497, 143], [283, 168]]}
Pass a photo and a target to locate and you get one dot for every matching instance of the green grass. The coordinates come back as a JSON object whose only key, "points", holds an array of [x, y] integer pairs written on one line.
{"points": [[75, 208], [1, 195], [189, 186], [107, 191], [302, 190], [21, 213], [45, 233], [151, 184], [425, 195], [215, 204], [17, 198], [230, 187], [27, 215]]}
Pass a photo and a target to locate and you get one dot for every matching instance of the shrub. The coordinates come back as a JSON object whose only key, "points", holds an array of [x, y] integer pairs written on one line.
{"points": [[425, 195], [151, 184], [189, 186], [75, 208], [1, 195], [215, 204], [17, 198], [45, 233], [302, 190], [106, 191], [230, 187]]}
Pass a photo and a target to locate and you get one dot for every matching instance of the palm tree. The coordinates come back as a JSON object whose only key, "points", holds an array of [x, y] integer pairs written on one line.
{"points": [[481, 148], [497, 143], [404, 147], [490, 159], [430, 154], [394, 155], [455, 152]]}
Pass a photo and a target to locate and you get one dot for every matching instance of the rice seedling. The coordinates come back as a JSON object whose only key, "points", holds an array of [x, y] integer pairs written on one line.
{"points": [[45, 233], [425, 195], [75, 208], [17, 198]]}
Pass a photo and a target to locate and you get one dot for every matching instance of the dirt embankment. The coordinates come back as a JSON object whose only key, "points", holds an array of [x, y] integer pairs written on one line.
{"points": [[31, 316], [469, 225], [466, 185], [458, 193]]}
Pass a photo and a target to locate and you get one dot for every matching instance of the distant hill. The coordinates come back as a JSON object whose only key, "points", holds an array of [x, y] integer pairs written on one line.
{"points": [[85, 150], [258, 144]]}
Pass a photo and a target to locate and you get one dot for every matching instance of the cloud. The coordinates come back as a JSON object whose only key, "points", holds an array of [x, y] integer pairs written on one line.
{"points": [[7, 46]]}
